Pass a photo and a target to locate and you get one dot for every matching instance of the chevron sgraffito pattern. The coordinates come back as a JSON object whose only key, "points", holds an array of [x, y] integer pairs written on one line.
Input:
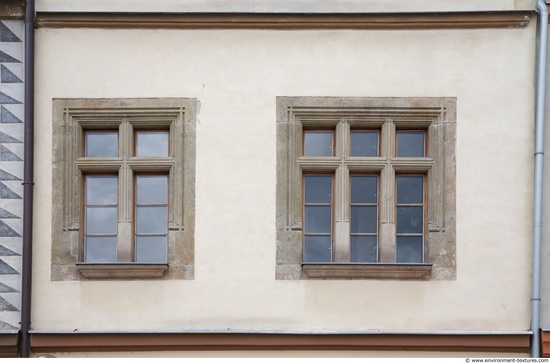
{"points": [[11, 170]]}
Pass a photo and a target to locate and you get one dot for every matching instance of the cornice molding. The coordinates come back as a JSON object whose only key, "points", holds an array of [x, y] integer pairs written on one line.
{"points": [[85, 342], [286, 21], [12, 9]]}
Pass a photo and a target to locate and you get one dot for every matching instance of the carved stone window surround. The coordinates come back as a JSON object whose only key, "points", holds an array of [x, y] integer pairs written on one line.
{"points": [[436, 115], [74, 116]]}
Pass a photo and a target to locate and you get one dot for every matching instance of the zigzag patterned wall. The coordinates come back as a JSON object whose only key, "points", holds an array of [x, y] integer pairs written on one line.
{"points": [[12, 94]]}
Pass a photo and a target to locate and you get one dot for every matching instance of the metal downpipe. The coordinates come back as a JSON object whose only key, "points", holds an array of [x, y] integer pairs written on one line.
{"points": [[26, 274], [539, 158]]}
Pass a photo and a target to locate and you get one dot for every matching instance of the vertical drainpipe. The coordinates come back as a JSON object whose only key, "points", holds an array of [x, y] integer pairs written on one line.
{"points": [[26, 286], [539, 157]]}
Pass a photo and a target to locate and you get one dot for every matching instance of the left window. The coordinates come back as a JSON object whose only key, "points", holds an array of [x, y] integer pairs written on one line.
{"points": [[123, 188]]}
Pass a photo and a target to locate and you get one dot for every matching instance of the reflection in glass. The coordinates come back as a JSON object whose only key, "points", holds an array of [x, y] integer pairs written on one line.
{"points": [[409, 249], [151, 229], [364, 218], [317, 249], [317, 218], [152, 189], [101, 190], [363, 249], [318, 143], [152, 249], [364, 189], [410, 143], [364, 143], [101, 144], [101, 220], [410, 189], [151, 219], [101, 249], [151, 143], [409, 219], [318, 189]]}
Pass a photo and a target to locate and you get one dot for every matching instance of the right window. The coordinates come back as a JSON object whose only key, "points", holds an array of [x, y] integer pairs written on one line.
{"points": [[366, 188]]}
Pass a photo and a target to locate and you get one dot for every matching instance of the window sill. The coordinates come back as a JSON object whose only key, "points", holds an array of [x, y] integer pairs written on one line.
{"points": [[388, 271], [121, 270]]}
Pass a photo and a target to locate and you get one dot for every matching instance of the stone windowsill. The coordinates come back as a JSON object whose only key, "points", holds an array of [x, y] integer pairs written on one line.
{"points": [[389, 271], [121, 270]]}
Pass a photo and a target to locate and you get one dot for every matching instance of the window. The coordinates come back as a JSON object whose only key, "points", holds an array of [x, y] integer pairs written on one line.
{"points": [[123, 173], [365, 188]]}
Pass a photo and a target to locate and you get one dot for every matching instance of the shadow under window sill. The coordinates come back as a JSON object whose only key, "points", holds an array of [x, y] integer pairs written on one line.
{"points": [[121, 270], [384, 271]]}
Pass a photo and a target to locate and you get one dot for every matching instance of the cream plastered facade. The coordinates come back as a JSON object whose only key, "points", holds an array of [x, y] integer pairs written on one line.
{"points": [[284, 5], [236, 76]]}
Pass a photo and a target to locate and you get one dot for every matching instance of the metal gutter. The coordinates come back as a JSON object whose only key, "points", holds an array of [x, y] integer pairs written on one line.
{"points": [[26, 274], [539, 166]]}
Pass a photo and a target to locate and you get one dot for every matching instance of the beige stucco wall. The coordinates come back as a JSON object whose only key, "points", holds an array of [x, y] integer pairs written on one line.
{"points": [[284, 5], [236, 76]]}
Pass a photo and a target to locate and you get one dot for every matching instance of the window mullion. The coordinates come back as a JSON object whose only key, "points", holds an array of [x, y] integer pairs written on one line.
{"points": [[125, 186], [125, 230], [387, 239], [341, 247], [387, 139], [341, 237], [126, 138], [386, 243]]}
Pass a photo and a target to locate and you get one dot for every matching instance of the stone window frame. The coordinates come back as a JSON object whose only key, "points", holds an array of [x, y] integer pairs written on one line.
{"points": [[437, 115], [71, 117]]}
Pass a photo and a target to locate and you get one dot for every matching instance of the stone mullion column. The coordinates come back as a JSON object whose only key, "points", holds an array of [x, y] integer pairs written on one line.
{"points": [[341, 237], [73, 197], [175, 176], [294, 174], [125, 251], [386, 203], [435, 200]]}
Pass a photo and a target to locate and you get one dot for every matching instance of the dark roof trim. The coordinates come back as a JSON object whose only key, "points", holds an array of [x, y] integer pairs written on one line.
{"points": [[86, 342], [12, 9], [286, 21]]}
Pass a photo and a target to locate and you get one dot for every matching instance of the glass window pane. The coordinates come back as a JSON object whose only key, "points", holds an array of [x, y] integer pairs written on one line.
{"points": [[151, 219], [101, 220], [317, 249], [318, 189], [152, 189], [363, 249], [410, 189], [318, 143], [152, 143], [409, 249], [101, 189], [364, 189], [364, 219], [410, 219], [101, 144], [410, 143], [318, 219], [151, 249], [101, 249], [364, 143]]}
